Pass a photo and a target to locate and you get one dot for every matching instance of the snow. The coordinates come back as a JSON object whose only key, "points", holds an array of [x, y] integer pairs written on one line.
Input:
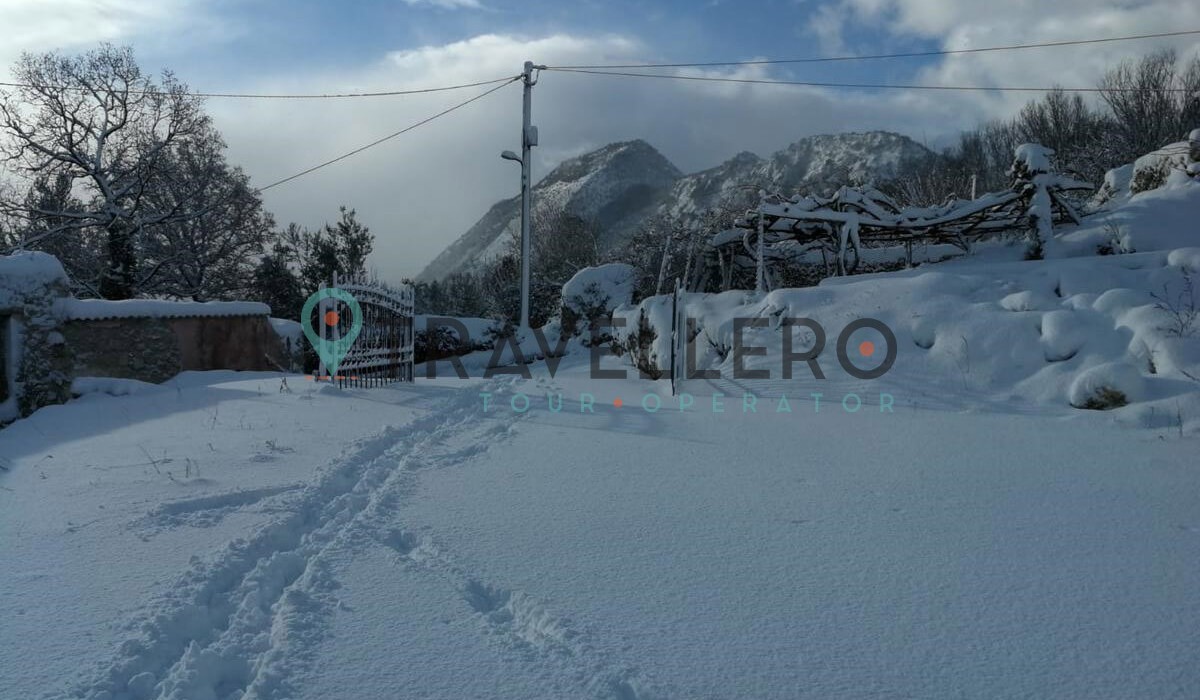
{"points": [[1114, 376], [1035, 157], [27, 272], [288, 329], [111, 386], [958, 527], [95, 309], [603, 286], [223, 539]]}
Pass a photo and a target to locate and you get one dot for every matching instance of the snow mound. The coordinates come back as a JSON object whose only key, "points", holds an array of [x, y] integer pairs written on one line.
{"points": [[1027, 301], [603, 286], [1187, 258], [1092, 384], [1063, 334]]}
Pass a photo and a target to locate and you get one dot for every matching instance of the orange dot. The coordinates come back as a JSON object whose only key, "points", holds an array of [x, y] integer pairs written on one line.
{"points": [[866, 348], [331, 318], [618, 403]]}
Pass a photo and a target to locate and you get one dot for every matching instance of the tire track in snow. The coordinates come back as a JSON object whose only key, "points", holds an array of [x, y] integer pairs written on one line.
{"points": [[242, 625], [519, 623]]}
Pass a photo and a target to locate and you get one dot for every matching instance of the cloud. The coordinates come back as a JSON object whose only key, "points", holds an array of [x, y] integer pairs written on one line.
{"points": [[963, 24], [36, 25]]}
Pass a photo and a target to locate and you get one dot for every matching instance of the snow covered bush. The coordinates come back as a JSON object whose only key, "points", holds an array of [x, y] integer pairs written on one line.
{"points": [[1182, 309], [39, 362], [1107, 386], [1151, 170], [591, 295], [645, 335], [640, 346], [443, 339]]}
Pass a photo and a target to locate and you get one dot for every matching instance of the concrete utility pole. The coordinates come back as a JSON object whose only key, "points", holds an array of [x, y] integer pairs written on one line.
{"points": [[760, 284], [529, 139]]}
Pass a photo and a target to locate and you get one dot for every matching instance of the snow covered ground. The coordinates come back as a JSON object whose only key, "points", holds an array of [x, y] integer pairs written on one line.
{"points": [[957, 527], [216, 538]]}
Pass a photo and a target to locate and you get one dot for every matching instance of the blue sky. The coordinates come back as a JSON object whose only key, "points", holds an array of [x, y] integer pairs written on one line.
{"points": [[420, 191]]}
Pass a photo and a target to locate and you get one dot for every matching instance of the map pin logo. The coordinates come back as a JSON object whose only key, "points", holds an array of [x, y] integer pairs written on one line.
{"points": [[331, 352]]}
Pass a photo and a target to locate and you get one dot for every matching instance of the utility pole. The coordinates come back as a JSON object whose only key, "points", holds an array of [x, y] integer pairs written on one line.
{"points": [[529, 139], [760, 284]]}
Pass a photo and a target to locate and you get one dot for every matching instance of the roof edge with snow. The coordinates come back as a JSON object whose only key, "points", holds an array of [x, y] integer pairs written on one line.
{"points": [[99, 309]]}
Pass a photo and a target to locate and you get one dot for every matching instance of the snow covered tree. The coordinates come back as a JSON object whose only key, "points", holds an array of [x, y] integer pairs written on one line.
{"points": [[110, 130], [211, 255]]}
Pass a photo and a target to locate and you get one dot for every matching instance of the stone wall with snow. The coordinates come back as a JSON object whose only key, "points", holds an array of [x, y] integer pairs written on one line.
{"points": [[153, 340], [48, 339]]}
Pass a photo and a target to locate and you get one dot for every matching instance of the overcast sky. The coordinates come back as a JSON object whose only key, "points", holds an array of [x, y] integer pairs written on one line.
{"points": [[421, 190]]}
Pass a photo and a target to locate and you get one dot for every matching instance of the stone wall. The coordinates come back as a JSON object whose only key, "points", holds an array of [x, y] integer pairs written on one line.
{"points": [[126, 348], [156, 349]]}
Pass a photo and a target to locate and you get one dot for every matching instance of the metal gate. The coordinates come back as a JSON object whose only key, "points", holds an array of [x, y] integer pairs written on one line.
{"points": [[383, 351]]}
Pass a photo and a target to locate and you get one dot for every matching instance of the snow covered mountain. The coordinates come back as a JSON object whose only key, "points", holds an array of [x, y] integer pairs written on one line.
{"points": [[622, 184], [615, 187]]}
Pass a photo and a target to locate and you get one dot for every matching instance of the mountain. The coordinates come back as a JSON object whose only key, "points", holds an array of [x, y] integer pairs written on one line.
{"points": [[615, 187], [621, 185]]}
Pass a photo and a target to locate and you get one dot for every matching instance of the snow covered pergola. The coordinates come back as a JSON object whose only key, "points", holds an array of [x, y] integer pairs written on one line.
{"points": [[854, 218]]}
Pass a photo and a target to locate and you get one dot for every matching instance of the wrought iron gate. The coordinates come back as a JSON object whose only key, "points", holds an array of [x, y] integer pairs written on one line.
{"points": [[383, 351]]}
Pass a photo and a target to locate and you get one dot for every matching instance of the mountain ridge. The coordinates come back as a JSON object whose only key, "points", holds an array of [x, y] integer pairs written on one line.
{"points": [[620, 185]]}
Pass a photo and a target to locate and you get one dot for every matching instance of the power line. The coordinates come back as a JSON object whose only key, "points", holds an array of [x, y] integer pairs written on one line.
{"points": [[410, 127], [874, 57], [240, 95], [865, 86]]}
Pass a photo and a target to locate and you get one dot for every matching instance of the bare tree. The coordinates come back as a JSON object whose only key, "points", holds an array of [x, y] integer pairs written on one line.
{"points": [[213, 254], [1153, 102], [100, 122]]}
